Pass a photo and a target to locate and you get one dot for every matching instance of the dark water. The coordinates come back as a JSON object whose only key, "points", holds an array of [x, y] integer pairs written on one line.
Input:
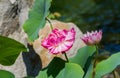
{"points": [[91, 15]]}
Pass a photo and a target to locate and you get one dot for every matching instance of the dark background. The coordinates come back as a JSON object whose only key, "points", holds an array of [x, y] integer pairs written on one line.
{"points": [[93, 15]]}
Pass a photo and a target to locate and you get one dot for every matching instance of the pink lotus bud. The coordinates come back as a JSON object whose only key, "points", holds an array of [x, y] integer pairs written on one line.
{"points": [[91, 38], [59, 41]]}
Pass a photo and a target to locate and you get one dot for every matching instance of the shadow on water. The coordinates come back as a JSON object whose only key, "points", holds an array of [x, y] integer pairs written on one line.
{"points": [[91, 15]]}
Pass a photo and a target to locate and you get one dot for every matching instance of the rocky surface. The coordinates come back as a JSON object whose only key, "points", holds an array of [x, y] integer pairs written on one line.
{"points": [[11, 21]]}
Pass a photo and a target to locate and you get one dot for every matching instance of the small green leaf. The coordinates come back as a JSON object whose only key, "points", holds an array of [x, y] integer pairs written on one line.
{"points": [[36, 18], [108, 65], [71, 70], [6, 74], [82, 55], [9, 50]]}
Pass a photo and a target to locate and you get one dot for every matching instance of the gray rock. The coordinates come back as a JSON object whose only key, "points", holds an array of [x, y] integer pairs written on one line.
{"points": [[11, 21]]}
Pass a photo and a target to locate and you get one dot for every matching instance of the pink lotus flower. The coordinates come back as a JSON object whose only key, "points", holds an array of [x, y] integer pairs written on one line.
{"points": [[91, 38], [59, 41]]}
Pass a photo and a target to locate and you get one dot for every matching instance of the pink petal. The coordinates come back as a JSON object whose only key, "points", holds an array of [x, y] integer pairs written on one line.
{"points": [[59, 41], [93, 37]]}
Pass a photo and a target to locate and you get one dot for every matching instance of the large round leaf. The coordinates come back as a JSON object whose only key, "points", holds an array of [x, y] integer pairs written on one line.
{"points": [[42, 74], [9, 50], [53, 69], [89, 72], [82, 55], [108, 65], [6, 74], [55, 66], [71, 70], [36, 18]]}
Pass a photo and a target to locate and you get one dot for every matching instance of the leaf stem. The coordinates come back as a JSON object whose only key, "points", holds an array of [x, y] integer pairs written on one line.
{"points": [[51, 26], [94, 66], [95, 61], [66, 57], [97, 52]]}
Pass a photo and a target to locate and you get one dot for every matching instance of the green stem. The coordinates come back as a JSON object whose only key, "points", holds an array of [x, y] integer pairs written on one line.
{"points": [[50, 23], [66, 57], [94, 66], [97, 52], [94, 61]]}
